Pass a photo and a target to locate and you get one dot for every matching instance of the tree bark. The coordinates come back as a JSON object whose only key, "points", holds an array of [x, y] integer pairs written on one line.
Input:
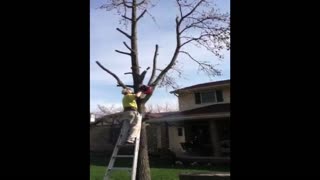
{"points": [[143, 171], [134, 47]]}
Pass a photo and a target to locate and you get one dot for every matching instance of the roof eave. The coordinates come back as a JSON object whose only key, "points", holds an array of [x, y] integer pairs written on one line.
{"points": [[188, 117]]}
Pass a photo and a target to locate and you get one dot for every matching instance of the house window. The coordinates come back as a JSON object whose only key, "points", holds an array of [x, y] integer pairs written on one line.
{"points": [[180, 132], [208, 97]]}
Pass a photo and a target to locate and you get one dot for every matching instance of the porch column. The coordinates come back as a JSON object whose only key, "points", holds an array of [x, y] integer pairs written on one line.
{"points": [[214, 138], [187, 132]]}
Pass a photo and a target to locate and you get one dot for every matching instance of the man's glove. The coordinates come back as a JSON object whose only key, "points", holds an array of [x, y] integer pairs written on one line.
{"points": [[145, 89]]}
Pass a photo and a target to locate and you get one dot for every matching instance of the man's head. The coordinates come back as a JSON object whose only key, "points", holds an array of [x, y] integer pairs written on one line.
{"points": [[126, 91]]}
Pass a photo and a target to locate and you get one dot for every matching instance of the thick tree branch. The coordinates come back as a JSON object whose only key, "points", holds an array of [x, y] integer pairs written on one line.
{"points": [[174, 57], [195, 39], [142, 75], [194, 24], [128, 36], [204, 66], [154, 65], [145, 99], [120, 83], [125, 17], [141, 2], [192, 10], [127, 46], [189, 56], [141, 15], [121, 52], [192, 39], [126, 5], [180, 8]]}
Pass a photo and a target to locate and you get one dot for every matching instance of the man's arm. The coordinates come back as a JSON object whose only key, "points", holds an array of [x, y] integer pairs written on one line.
{"points": [[138, 94]]}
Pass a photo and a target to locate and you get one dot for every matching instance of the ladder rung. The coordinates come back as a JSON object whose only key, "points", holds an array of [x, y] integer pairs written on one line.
{"points": [[124, 156], [135, 145], [121, 168]]}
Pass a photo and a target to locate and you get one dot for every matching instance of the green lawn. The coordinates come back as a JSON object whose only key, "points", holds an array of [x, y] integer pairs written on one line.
{"points": [[162, 168], [97, 172]]}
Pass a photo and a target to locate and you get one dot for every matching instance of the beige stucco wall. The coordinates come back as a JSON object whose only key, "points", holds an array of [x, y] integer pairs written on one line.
{"points": [[175, 140], [226, 94]]}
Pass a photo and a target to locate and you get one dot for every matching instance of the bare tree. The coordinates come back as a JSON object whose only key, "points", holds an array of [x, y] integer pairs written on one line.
{"points": [[106, 110], [158, 108], [110, 109], [198, 23], [149, 109]]}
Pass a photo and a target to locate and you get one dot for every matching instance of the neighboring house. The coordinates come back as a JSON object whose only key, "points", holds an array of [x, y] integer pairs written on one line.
{"points": [[103, 132], [205, 94], [201, 127]]}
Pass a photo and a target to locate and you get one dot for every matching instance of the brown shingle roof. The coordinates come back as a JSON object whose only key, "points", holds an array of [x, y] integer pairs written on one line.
{"points": [[215, 108]]}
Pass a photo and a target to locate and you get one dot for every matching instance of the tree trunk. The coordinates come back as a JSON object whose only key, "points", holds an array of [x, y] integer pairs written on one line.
{"points": [[143, 172], [134, 47]]}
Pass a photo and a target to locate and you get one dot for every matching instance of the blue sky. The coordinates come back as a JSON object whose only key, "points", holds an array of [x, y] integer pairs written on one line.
{"points": [[104, 39]]}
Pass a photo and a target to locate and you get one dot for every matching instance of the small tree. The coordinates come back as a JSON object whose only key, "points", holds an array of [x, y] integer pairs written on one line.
{"points": [[111, 109], [198, 23]]}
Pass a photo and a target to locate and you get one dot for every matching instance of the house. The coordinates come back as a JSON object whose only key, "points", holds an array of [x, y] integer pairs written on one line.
{"points": [[199, 130], [201, 127], [103, 132]]}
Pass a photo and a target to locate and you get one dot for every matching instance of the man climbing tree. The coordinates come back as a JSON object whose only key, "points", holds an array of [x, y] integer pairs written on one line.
{"points": [[198, 22]]}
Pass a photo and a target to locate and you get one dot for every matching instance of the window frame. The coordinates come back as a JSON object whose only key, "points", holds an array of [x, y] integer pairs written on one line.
{"points": [[198, 96]]}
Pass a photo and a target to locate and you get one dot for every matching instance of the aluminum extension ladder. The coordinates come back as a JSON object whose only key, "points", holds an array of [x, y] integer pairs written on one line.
{"points": [[115, 155]]}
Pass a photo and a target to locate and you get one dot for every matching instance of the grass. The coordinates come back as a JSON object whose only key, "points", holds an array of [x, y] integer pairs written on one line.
{"points": [[169, 173], [161, 168]]}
